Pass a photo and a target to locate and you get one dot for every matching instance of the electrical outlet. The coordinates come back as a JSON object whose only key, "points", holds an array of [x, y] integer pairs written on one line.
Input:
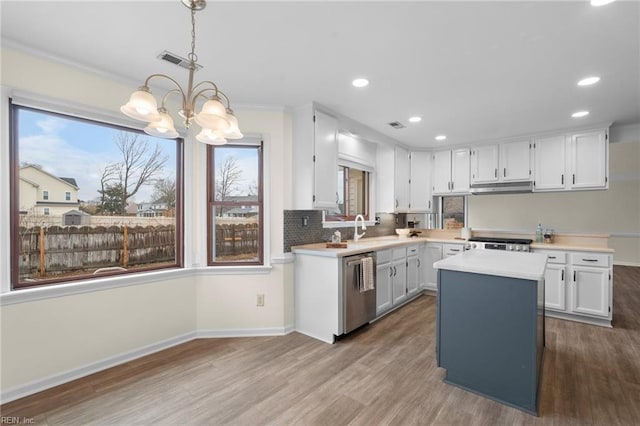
{"points": [[260, 300], [305, 221]]}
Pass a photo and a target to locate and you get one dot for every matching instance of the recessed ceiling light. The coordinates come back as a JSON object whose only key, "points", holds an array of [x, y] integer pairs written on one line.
{"points": [[415, 119], [441, 137], [588, 81], [580, 114], [601, 2], [360, 82]]}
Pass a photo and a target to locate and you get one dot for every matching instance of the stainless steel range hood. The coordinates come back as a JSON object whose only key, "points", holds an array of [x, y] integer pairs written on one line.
{"points": [[502, 188]]}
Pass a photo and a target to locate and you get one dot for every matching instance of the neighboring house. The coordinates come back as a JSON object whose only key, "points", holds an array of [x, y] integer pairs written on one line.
{"points": [[45, 194], [151, 209], [241, 210]]}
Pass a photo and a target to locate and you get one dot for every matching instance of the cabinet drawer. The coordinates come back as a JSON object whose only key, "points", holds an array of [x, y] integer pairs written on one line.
{"points": [[383, 256], [554, 256], [413, 250], [590, 259], [399, 253], [451, 249]]}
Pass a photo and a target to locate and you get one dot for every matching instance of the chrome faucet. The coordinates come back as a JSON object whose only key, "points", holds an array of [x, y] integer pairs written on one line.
{"points": [[356, 236]]}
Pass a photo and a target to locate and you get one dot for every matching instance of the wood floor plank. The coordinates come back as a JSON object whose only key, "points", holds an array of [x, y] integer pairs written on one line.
{"points": [[382, 374]]}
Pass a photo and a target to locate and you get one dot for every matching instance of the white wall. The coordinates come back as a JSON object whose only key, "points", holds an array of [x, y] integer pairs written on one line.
{"points": [[46, 341], [615, 211]]}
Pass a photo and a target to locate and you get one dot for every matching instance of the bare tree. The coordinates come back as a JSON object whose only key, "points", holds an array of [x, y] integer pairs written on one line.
{"points": [[140, 165], [164, 191], [228, 175], [109, 174]]}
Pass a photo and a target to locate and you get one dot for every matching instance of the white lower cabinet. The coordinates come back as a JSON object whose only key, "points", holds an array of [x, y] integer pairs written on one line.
{"points": [[384, 274], [578, 286], [399, 276], [431, 254], [414, 270]]}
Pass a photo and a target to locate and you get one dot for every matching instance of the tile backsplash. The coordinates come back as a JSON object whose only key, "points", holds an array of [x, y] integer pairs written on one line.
{"points": [[305, 227]]}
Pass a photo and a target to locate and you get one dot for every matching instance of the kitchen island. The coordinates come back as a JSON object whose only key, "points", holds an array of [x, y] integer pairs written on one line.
{"points": [[490, 324]]}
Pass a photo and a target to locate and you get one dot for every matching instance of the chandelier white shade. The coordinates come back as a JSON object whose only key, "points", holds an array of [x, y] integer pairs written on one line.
{"points": [[216, 118]]}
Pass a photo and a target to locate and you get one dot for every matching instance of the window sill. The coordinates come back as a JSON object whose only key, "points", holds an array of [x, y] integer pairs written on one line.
{"points": [[79, 287]]}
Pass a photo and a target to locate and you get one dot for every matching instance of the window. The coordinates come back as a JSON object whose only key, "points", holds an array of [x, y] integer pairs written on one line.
{"points": [[353, 195], [453, 212], [235, 203], [110, 170]]}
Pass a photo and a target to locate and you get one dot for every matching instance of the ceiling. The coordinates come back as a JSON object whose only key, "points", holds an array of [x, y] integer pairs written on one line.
{"points": [[474, 71]]}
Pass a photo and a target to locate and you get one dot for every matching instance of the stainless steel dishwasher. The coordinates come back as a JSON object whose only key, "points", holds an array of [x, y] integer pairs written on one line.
{"points": [[359, 290]]}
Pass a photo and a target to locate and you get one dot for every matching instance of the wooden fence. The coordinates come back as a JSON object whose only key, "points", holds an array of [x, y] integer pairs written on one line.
{"points": [[236, 239], [46, 252]]}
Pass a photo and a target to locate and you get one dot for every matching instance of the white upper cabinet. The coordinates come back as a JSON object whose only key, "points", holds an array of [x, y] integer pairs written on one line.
{"points": [[549, 163], [589, 160], [325, 162], [441, 176], [577, 161], [402, 179], [505, 162], [460, 171], [451, 172], [315, 159], [515, 161], [420, 198], [484, 164]]}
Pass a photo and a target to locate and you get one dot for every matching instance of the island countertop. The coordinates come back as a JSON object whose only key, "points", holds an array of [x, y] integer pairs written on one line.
{"points": [[527, 266]]}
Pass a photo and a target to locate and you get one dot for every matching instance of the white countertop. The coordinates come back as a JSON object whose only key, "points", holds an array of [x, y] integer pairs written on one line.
{"points": [[527, 266]]}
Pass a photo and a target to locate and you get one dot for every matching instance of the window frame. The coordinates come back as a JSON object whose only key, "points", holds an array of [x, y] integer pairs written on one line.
{"points": [[14, 189], [212, 203], [67, 195], [45, 195]]}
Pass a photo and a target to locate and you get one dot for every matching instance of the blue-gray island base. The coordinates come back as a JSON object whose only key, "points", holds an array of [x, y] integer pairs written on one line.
{"points": [[490, 335]]}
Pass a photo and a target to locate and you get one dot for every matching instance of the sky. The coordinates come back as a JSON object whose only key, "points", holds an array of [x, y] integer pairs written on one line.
{"points": [[78, 149]]}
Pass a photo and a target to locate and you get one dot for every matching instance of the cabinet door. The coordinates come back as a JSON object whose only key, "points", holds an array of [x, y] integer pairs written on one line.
{"points": [[484, 164], [402, 178], [460, 169], [325, 179], [384, 275], [589, 160], [515, 159], [449, 250], [420, 199], [399, 281], [549, 160], [590, 293], [413, 275], [441, 176], [432, 254], [554, 287]]}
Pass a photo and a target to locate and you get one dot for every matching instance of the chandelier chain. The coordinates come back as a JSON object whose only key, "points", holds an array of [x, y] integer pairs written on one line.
{"points": [[192, 56]]}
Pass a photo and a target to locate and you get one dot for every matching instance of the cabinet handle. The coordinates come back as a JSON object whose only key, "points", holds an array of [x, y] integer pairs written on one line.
{"points": [[429, 204], [574, 179], [396, 204], [589, 260], [337, 198], [562, 180], [495, 172], [394, 271], [390, 271], [552, 257], [562, 278], [454, 249], [452, 184], [574, 276], [505, 172], [418, 263]]}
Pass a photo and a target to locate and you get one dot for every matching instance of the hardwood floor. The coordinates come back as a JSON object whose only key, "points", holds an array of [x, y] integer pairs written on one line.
{"points": [[384, 373]]}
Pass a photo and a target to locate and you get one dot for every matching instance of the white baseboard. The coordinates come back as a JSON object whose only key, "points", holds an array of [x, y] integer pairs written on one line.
{"points": [[627, 263], [45, 383], [245, 332], [39, 385]]}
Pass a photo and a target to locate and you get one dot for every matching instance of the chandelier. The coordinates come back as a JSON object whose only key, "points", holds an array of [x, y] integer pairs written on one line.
{"points": [[216, 119]]}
